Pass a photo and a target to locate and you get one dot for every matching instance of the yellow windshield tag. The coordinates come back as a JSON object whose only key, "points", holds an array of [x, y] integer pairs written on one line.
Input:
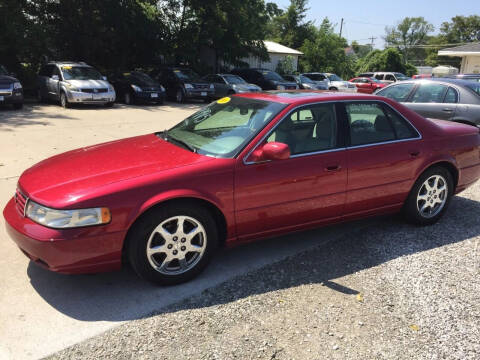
{"points": [[66, 68], [223, 100], [177, 71], [126, 74]]}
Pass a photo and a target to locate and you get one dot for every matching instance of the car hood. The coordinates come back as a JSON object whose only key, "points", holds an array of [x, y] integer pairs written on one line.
{"points": [[5, 79], [62, 179], [93, 84]]}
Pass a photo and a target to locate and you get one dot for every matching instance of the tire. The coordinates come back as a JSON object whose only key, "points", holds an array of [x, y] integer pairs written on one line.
{"points": [[159, 102], [127, 98], [180, 96], [333, 89], [173, 243], [109, 104], [18, 106], [428, 191], [64, 100]]}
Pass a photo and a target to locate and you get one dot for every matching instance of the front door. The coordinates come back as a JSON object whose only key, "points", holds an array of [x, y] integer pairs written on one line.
{"points": [[307, 188]]}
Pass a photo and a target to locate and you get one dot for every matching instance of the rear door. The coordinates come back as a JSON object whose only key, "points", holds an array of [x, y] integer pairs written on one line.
{"points": [[54, 84], [383, 153], [428, 100]]}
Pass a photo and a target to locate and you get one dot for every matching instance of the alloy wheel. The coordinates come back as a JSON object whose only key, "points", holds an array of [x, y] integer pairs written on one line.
{"points": [[176, 245], [432, 196]]}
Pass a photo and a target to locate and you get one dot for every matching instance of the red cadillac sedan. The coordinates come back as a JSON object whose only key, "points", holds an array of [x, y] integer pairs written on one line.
{"points": [[367, 85], [244, 167]]}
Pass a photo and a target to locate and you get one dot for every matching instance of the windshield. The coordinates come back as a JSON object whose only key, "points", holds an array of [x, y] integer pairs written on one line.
{"points": [[141, 77], [401, 76], [80, 73], [232, 79], [306, 80], [272, 75], [317, 77], [475, 87], [3, 71], [186, 74], [333, 77], [224, 127]]}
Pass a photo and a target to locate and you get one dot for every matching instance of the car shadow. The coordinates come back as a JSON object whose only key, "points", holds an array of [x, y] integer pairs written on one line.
{"points": [[335, 251], [29, 115]]}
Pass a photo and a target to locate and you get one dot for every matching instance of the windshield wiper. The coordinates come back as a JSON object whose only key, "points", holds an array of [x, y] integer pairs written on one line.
{"points": [[170, 138]]}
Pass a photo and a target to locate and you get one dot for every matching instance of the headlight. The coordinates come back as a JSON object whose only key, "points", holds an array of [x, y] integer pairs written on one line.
{"points": [[17, 85], [110, 88], [188, 86], [162, 88], [212, 87], [71, 87], [280, 87], [62, 219], [136, 88]]}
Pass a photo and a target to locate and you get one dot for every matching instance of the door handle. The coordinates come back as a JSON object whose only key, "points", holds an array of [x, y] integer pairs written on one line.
{"points": [[447, 110], [333, 168], [414, 153]]}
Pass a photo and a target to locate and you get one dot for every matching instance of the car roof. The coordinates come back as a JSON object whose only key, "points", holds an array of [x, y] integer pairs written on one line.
{"points": [[68, 63], [455, 81], [307, 96]]}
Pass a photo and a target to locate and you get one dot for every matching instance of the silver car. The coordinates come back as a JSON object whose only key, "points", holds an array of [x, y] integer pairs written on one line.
{"points": [[332, 81], [226, 84], [73, 83]]}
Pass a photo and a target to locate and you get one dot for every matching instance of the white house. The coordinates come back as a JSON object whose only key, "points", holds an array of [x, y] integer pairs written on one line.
{"points": [[470, 55], [276, 53]]}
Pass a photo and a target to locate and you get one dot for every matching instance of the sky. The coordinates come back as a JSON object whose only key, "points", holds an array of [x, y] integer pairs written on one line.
{"points": [[366, 18]]}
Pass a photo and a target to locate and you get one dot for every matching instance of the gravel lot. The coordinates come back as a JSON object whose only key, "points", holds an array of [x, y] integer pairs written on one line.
{"points": [[388, 291]]}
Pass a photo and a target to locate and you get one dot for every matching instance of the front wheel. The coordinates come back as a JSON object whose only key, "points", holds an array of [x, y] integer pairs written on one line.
{"points": [[172, 244], [180, 96], [429, 197], [64, 101]]}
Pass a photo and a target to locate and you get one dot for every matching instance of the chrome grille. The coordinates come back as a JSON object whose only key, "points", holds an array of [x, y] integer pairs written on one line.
{"points": [[101, 90], [201, 86], [21, 202]]}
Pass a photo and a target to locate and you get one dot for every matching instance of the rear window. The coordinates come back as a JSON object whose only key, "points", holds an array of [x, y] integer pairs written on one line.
{"points": [[398, 92], [474, 87]]}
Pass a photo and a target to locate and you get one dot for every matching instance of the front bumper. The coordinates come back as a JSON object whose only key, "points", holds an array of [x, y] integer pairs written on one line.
{"points": [[90, 98], [199, 93], [11, 96], [70, 251], [149, 96]]}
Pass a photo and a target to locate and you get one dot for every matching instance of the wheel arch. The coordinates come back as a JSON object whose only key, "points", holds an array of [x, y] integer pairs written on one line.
{"points": [[151, 205], [463, 121], [449, 165]]}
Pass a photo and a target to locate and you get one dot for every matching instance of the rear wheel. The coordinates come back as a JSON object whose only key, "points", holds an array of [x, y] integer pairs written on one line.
{"points": [[109, 104], [429, 197], [333, 89], [172, 244]]}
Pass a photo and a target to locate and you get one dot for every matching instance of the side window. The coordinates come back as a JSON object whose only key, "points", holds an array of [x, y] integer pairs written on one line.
{"points": [[379, 76], [398, 92], [57, 72], [308, 130], [403, 129], [47, 70], [368, 124], [390, 77], [429, 93], [451, 96]]}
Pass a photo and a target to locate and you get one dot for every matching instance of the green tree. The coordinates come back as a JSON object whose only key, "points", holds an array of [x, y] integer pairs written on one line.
{"points": [[411, 31], [461, 29], [326, 52], [382, 60], [290, 28]]}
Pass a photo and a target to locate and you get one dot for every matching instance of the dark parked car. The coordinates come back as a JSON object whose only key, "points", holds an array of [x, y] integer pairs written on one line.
{"points": [[304, 82], [11, 91], [182, 83], [266, 79], [226, 84], [470, 77], [447, 99], [73, 83], [136, 86]]}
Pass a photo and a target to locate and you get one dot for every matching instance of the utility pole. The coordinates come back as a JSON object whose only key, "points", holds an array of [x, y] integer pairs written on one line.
{"points": [[341, 27], [372, 38]]}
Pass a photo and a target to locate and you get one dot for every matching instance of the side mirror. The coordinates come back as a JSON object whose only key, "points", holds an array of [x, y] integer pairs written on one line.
{"points": [[104, 78], [55, 77], [271, 151]]}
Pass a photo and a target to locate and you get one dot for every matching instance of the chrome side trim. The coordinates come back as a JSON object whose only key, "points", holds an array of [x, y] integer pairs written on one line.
{"points": [[419, 137]]}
